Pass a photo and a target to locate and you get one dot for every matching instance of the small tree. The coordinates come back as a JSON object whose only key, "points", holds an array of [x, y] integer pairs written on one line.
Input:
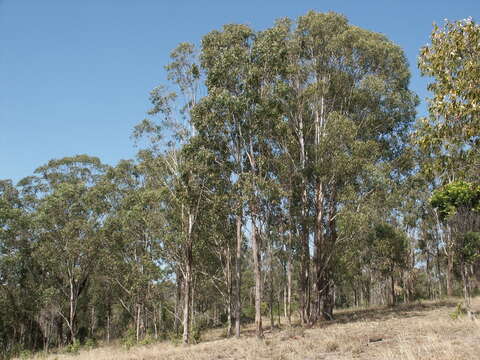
{"points": [[458, 204], [389, 248]]}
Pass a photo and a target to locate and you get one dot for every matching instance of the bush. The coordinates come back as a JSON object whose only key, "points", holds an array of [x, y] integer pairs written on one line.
{"points": [[174, 338], [147, 340], [196, 334], [129, 339], [73, 348], [90, 343], [25, 354], [459, 311]]}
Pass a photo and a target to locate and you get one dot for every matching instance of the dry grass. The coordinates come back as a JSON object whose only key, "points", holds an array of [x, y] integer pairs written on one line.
{"points": [[420, 331]]}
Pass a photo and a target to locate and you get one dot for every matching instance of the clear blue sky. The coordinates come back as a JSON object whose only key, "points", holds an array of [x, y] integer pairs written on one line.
{"points": [[75, 75]]}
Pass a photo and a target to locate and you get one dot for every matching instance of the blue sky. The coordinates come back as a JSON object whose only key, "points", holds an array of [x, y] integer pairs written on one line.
{"points": [[75, 75]]}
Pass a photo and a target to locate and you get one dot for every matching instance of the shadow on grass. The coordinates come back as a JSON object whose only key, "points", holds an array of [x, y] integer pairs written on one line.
{"points": [[345, 316], [388, 312]]}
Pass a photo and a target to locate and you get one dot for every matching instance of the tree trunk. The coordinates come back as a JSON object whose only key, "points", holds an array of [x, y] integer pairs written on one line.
{"points": [[319, 246], [327, 301], [466, 288], [326, 285], [177, 301], [304, 268], [192, 302], [392, 290], [186, 301], [289, 281], [270, 277], [238, 275], [229, 291], [155, 324], [93, 321], [258, 280], [439, 273], [72, 314], [450, 273], [138, 323], [304, 277], [429, 278], [108, 324], [279, 300], [60, 337], [160, 317], [318, 226], [187, 298]]}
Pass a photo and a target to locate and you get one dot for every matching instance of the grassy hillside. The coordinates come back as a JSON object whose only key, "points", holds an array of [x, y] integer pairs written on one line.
{"points": [[424, 331]]}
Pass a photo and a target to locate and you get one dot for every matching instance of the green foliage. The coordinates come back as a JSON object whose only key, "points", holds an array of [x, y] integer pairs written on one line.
{"points": [[388, 247], [73, 348], [470, 250], [450, 133], [301, 136], [452, 59], [457, 203], [196, 333], [90, 343], [25, 354], [458, 312], [129, 339], [455, 195], [174, 338], [147, 340]]}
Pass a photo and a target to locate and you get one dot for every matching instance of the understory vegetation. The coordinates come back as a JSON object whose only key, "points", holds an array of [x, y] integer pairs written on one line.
{"points": [[282, 177], [420, 330]]}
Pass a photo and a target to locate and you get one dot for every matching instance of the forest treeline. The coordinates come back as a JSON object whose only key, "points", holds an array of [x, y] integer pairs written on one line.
{"points": [[281, 174]]}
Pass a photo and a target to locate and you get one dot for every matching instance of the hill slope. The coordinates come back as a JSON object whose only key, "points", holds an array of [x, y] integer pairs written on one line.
{"points": [[417, 331]]}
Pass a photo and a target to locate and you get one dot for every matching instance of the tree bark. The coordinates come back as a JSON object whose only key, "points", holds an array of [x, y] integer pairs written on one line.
{"points": [[258, 280], [229, 291], [450, 273], [178, 291], [186, 305], [72, 313], [392, 290], [137, 321], [304, 278], [319, 246], [289, 282], [270, 277], [187, 297], [238, 275]]}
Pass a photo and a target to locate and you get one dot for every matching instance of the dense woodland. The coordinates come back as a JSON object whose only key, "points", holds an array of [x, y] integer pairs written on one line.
{"points": [[281, 174]]}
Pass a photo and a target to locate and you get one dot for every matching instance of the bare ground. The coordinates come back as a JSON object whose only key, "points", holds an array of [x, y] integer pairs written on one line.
{"points": [[418, 331]]}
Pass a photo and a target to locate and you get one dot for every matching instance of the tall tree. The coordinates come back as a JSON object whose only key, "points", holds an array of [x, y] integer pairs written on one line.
{"points": [[359, 109], [70, 206], [175, 168]]}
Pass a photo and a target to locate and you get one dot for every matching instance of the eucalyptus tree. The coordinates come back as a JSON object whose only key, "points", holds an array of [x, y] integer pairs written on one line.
{"points": [[69, 209], [449, 135], [458, 204], [133, 262], [20, 286], [172, 166], [360, 109], [239, 112], [291, 134], [389, 247], [222, 117]]}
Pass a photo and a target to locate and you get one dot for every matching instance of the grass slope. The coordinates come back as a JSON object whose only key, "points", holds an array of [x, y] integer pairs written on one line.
{"points": [[418, 331]]}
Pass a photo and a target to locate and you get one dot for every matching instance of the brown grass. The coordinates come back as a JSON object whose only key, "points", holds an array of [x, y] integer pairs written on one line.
{"points": [[412, 332]]}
